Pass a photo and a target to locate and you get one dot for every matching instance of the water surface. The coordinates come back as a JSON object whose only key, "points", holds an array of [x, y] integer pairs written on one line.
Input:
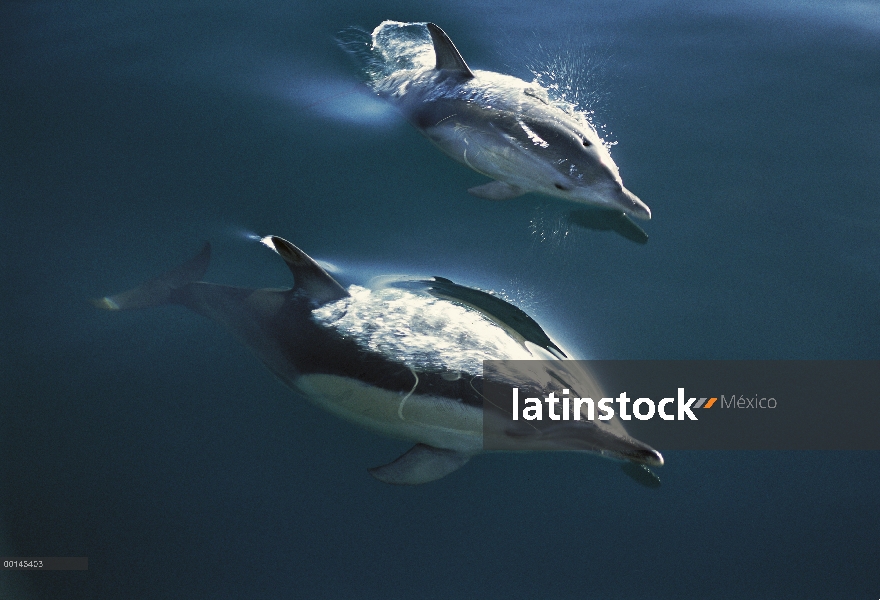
{"points": [[154, 444]]}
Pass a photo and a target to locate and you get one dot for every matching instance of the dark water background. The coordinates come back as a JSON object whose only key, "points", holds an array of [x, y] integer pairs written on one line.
{"points": [[155, 445]]}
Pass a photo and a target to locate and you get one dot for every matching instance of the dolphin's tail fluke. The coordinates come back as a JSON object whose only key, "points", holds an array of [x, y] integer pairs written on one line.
{"points": [[159, 290]]}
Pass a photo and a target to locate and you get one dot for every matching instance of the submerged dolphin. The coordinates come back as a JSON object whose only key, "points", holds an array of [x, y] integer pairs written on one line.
{"points": [[405, 360], [504, 128]]}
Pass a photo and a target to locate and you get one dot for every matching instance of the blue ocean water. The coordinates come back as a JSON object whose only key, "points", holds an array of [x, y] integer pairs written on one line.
{"points": [[154, 444]]}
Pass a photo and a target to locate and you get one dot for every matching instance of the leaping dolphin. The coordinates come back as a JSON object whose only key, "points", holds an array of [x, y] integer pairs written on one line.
{"points": [[504, 128], [404, 360]]}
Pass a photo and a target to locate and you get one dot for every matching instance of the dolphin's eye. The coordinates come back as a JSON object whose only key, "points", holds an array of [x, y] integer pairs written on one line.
{"points": [[586, 142], [562, 187]]}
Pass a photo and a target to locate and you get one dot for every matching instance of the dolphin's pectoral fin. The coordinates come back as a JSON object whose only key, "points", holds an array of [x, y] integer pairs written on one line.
{"points": [[641, 474], [159, 290], [308, 276], [420, 464], [448, 57], [496, 190]]}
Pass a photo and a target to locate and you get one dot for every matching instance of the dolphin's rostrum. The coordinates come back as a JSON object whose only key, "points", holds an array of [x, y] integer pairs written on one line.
{"points": [[404, 360], [498, 125]]}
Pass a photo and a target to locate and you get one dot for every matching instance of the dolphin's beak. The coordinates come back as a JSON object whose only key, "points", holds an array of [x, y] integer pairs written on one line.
{"points": [[631, 204], [589, 437], [647, 456], [623, 447], [627, 448]]}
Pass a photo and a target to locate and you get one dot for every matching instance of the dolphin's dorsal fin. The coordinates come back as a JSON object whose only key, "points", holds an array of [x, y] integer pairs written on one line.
{"points": [[308, 276], [448, 57]]}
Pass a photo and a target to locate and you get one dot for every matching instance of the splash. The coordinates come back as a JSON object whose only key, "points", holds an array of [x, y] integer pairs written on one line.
{"points": [[573, 78], [424, 332], [391, 47], [244, 234], [548, 228]]}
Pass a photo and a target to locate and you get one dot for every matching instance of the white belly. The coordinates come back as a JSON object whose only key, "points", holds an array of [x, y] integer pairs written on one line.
{"points": [[491, 153], [432, 420]]}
